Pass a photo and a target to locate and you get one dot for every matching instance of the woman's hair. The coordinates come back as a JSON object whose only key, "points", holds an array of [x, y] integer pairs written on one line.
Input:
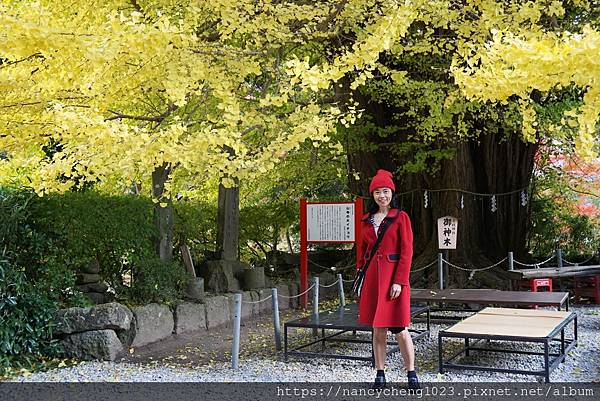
{"points": [[373, 207]]}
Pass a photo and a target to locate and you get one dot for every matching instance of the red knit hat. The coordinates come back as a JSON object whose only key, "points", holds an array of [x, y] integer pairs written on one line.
{"points": [[383, 178]]}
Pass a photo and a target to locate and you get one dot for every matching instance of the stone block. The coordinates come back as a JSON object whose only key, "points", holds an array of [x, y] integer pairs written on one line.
{"points": [[153, 322], [264, 306], [97, 298], [190, 317], [329, 292], [93, 287], [217, 311], [92, 268], [89, 345], [85, 278], [195, 289], [253, 278], [294, 289], [247, 308], [283, 293], [219, 276], [106, 316]]}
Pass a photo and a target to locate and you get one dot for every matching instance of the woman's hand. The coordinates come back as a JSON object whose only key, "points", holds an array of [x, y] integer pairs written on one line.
{"points": [[395, 291]]}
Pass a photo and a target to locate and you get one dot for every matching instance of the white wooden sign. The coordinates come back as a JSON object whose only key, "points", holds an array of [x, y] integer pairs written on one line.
{"points": [[447, 232], [330, 222]]}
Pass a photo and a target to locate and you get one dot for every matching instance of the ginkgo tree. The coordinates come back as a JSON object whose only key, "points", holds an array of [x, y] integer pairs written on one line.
{"points": [[184, 90], [181, 90], [427, 119]]}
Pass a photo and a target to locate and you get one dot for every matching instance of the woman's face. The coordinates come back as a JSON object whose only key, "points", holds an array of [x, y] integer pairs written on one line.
{"points": [[383, 197]]}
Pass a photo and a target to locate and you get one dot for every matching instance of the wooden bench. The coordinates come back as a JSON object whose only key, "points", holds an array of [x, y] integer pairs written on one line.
{"points": [[512, 325]]}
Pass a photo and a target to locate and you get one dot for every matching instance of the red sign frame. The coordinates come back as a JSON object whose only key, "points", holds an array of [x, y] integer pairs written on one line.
{"points": [[358, 211]]}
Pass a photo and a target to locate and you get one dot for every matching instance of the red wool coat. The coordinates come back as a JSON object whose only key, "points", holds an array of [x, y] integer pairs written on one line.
{"points": [[390, 265]]}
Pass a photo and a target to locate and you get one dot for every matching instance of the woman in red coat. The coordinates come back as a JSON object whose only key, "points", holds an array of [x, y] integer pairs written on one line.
{"points": [[385, 297]]}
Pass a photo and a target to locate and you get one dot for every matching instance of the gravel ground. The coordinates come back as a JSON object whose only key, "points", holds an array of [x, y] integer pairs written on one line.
{"points": [[581, 365]]}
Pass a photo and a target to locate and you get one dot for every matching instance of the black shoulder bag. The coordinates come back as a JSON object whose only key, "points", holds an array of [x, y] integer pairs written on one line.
{"points": [[360, 275]]}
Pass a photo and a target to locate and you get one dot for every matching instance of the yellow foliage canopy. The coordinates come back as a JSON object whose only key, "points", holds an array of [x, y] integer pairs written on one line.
{"points": [[512, 65], [108, 91]]}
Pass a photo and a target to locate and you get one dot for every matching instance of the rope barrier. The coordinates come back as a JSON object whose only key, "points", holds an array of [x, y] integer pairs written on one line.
{"points": [[424, 267], [348, 281], [464, 191], [330, 285], [476, 269], [536, 265], [579, 263], [296, 296], [330, 267], [257, 302]]}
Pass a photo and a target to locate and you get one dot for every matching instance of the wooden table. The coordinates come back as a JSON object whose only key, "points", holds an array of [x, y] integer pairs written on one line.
{"points": [[486, 297], [511, 325]]}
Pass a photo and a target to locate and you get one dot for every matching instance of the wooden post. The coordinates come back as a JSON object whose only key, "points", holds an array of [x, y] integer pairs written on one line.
{"points": [[228, 222], [187, 260]]}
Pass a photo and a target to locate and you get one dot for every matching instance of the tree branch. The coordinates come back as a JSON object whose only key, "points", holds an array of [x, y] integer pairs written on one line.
{"points": [[156, 119]]}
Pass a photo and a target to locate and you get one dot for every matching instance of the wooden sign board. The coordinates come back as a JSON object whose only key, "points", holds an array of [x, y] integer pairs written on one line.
{"points": [[330, 222], [447, 232]]}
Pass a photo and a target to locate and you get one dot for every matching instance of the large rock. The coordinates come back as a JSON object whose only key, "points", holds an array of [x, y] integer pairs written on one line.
{"points": [[190, 317], [219, 276], [253, 278], [99, 344], [217, 311], [153, 322], [106, 316]]}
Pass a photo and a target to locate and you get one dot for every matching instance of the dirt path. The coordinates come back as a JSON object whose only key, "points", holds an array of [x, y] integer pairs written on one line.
{"points": [[204, 347]]}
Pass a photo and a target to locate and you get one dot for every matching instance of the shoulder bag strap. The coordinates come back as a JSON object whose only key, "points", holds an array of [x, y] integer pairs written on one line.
{"points": [[386, 223]]}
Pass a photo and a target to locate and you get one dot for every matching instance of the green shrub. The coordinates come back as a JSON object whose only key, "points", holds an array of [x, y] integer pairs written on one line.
{"points": [[26, 320], [157, 281], [32, 284], [195, 224], [116, 230]]}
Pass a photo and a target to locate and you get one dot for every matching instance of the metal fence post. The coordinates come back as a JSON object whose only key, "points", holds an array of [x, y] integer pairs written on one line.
{"points": [[276, 325], [559, 258], [511, 265], [237, 315], [316, 303], [341, 291], [441, 270]]}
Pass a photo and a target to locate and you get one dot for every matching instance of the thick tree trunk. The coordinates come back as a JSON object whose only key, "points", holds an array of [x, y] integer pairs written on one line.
{"points": [[228, 222], [489, 166], [163, 216]]}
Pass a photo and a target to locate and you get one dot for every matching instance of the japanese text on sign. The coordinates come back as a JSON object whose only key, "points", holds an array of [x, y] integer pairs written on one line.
{"points": [[330, 222], [447, 230]]}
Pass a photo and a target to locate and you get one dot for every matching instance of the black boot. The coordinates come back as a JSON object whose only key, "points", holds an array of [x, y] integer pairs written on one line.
{"points": [[379, 383], [413, 381]]}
